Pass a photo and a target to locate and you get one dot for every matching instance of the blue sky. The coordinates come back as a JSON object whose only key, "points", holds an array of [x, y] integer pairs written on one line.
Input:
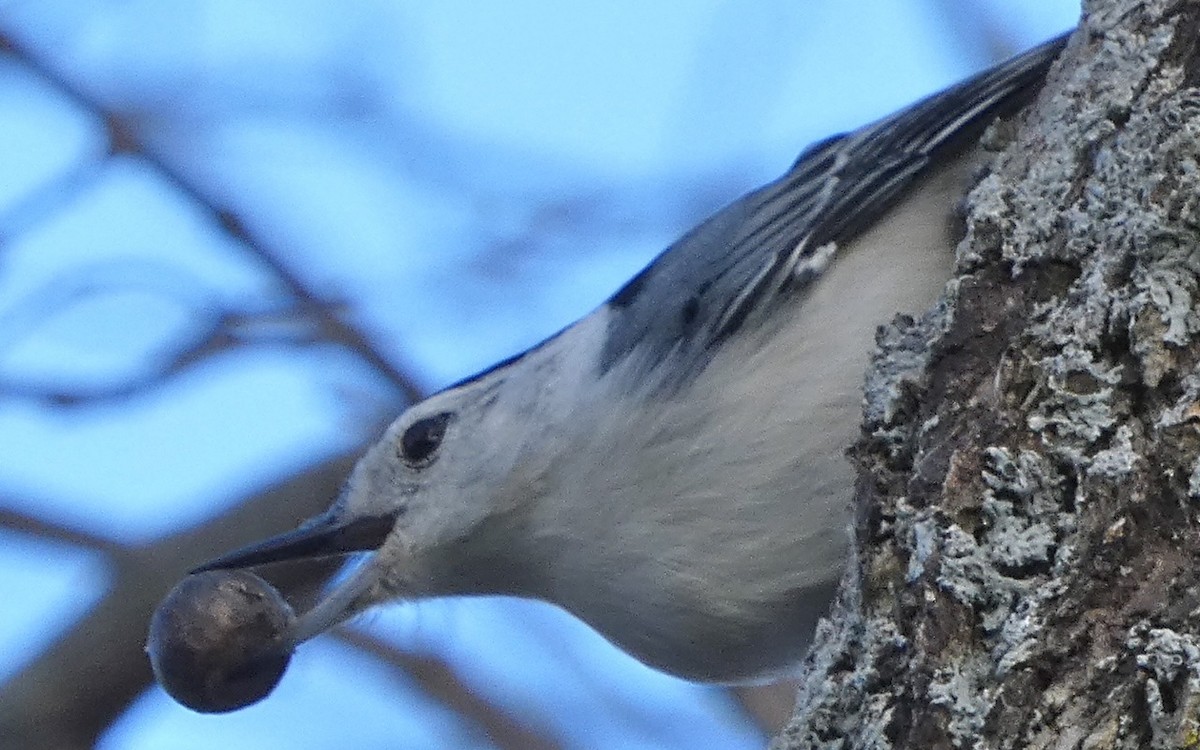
{"points": [[471, 177]]}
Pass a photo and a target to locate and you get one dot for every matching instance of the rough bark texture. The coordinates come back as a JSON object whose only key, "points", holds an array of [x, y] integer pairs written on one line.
{"points": [[1028, 573]]}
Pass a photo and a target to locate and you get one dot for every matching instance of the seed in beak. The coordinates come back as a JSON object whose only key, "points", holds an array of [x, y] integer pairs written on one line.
{"points": [[221, 640]]}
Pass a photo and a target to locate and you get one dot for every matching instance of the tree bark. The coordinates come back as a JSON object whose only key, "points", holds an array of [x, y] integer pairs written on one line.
{"points": [[1027, 566]]}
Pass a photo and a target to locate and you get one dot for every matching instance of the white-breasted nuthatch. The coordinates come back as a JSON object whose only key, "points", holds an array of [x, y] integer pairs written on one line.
{"points": [[670, 468]]}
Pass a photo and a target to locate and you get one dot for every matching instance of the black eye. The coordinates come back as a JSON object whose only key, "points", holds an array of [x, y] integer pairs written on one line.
{"points": [[420, 441]]}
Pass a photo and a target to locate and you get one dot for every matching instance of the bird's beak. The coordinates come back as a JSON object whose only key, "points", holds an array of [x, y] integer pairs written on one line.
{"points": [[321, 537]]}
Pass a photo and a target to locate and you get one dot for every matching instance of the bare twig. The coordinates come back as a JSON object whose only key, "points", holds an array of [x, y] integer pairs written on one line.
{"points": [[44, 200], [124, 138], [14, 519], [216, 327]]}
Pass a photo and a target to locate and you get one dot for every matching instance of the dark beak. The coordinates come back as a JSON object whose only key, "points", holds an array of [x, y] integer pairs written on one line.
{"points": [[322, 537]]}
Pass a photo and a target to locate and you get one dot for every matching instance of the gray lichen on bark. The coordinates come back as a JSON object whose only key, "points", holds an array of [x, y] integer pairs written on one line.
{"points": [[1027, 570]]}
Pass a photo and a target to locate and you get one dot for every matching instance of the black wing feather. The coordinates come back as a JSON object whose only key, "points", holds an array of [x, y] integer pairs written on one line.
{"points": [[742, 260]]}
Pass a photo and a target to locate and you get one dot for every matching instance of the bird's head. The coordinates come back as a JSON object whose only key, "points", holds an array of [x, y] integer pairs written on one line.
{"points": [[435, 502]]}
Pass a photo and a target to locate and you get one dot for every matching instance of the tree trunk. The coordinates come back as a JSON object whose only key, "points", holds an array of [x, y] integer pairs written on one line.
{"points": [[1027, 571]]}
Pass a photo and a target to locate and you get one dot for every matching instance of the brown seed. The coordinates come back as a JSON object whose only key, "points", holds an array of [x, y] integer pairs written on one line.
{"points": [[221, 640]]}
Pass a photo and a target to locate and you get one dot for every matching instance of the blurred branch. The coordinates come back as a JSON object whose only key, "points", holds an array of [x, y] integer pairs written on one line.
{"points": [[216, 327], [45, 199], [439, 680], [980, 34], [25, 523], [123, 137]]}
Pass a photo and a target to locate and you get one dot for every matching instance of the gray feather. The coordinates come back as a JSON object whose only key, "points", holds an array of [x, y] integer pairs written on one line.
{"points": [[760, 251]]}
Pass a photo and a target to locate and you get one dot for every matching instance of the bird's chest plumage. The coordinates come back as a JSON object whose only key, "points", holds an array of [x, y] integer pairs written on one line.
{"points": [[705, 530], [703, 534]]}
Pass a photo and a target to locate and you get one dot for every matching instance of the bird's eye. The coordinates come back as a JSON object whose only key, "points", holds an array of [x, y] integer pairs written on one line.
{"points": [[419, 443]]}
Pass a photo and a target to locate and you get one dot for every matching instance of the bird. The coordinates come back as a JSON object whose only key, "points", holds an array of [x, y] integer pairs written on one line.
{"points": [[671, 468]]}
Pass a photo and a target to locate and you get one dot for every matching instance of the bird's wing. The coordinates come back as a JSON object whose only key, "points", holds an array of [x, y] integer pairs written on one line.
{"points": [[769, 245]]}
